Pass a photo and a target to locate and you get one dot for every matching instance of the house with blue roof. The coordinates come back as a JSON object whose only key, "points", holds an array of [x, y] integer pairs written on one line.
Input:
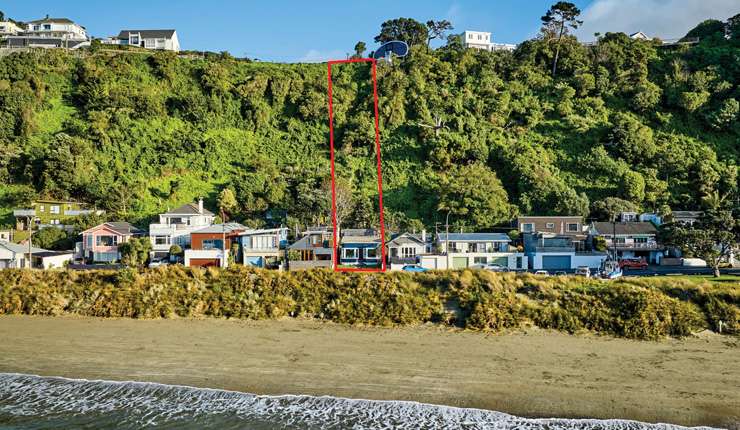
{"points": [[461, 250]]}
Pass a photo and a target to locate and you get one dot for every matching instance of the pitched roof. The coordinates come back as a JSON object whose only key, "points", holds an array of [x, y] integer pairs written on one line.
{"points": [[18, 248], [304, 243], [475, 237], [220, 228], [407, 238], [54, 20], [123, 228], [148, 34], [624, 228], [188, 209]]}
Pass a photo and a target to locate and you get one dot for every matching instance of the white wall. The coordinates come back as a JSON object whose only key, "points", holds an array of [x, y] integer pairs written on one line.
{"points": [[440, 261]]}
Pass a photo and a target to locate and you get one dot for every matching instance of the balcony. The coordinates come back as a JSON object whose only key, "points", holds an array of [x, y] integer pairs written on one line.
{"points": [[648, 246], [539, 249], [24, 212]]}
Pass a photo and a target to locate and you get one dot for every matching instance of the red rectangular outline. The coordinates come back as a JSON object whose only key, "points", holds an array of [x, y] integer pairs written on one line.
{"points": [[335, 245]]}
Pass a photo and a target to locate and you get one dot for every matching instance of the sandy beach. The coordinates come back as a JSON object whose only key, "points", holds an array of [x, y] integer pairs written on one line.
{"points": [[694, 381]]}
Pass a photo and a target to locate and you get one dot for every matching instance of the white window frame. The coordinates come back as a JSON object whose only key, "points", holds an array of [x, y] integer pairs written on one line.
{"points": [[550, 225], [570, 224], [355, 253], [527, 227], [54, 209], [367, 253]]}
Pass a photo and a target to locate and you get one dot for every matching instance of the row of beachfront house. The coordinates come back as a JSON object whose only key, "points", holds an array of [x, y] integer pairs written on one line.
{"points": [[542, 242], [51, 32]]}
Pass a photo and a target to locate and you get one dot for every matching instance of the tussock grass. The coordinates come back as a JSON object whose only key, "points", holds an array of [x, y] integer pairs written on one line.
{"points": [[632, 308]]}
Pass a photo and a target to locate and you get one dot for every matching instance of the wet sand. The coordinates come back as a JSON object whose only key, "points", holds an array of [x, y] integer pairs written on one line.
{"points": [[537, 373]]}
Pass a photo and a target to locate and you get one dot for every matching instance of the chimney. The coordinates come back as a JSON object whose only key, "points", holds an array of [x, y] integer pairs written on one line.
{"points": [[200, 205], [423, 235]]}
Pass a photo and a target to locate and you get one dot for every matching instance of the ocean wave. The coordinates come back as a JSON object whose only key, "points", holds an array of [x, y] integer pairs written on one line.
{"points": [[35, 402]]}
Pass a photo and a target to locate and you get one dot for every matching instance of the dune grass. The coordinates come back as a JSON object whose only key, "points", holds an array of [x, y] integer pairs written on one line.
{"points": [[637, 308]]}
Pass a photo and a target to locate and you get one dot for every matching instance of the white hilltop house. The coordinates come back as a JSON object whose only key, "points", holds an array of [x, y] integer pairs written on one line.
{"points": [[482, 40], [9, 28], [47, 33], [175, 226], [165, 40]]}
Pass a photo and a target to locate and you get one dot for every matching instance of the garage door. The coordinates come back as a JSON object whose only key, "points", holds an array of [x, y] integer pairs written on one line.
{"points": [[205, 262], [459, 262], [556, 262]]}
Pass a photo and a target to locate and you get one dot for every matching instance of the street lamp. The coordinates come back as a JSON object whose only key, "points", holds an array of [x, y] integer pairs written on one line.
{"points": [[29, 220]]}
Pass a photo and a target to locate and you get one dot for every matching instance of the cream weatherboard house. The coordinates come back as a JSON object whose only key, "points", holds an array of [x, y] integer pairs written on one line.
{"points": [[175, 226]]}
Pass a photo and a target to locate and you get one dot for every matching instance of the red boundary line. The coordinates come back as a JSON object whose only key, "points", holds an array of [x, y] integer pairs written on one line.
{"points": [[335, 245]]}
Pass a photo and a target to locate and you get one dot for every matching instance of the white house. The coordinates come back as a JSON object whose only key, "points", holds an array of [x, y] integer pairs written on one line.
{"points": [[49, 33], [150, 39], [8, 28], [52, 259], [482, 40], [407, 248], [175, 226], [13, 255], [548, 251], [468, 249]]}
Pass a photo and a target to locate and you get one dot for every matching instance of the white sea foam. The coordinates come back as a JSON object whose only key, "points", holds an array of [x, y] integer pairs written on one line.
{"points": [[28, 401]]}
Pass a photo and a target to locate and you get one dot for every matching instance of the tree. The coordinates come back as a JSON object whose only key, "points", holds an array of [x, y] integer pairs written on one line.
{"points": [[406, 29], [2, 16], [733, 27], [176, 251], [360, 49], [633, 186], [608, 208], [556, 22], [227, 203], [52, 238], [437, 29], [135, 251], [712, 238], [475, 194]]}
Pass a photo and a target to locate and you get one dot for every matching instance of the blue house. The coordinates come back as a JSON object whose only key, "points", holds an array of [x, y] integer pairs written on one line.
{"points": [[360, 247], [263, 248]]}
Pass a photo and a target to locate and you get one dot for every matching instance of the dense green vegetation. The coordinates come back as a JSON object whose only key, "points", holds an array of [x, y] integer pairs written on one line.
{"points": [[477, 300], [621, 123]]}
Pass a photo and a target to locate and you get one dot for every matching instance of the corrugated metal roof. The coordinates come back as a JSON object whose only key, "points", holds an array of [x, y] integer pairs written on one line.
{"points": [[20, 249], [220, 228]]}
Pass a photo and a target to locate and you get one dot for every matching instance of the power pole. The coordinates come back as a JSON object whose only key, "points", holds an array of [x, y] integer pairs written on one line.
{"points": [[447, 239]]}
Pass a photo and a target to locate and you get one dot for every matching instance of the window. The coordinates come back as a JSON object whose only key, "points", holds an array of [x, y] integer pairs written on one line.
{"points": [[350, 253], [408, 252], [550, 225], [519, 263], [371, 252], [54, 209], [451, 246], [470, 36], [47, 26], [480, 260], [528, 227], [263, 242], [54, 222], [480, 37], [36, 27], [106, 240], [41, 208], [161, 240], [619, 240], [213, 244], [178, 221], [89, 241], [573, 227], [133, 39], [641, 240]]}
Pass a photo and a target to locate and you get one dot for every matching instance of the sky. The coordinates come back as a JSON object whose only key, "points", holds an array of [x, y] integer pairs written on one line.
{"points": [[318, 30]]}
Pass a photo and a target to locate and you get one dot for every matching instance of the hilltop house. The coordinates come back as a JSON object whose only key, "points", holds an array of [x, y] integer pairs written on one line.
{"points": [[175, 226], [314, 249], [468, 249], [630, 239], [482, 40], [100, 243], [212, 245], [49, 212], [263, 248], [49, 33], [360, 247], [165, 40], [9, 28]]}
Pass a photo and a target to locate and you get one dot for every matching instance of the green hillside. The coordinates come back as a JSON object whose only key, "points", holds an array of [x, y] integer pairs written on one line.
{"points": [[624, 123]]}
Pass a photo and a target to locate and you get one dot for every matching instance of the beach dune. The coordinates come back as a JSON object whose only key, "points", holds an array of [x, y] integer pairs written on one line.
{"points": [[694, 381]]}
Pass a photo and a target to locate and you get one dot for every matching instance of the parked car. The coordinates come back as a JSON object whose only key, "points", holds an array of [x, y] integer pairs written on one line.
{"points": [[583, 271], [495, 267], [633, 263], [157, 263], [413, 268], [542, 273], [560, 273]]}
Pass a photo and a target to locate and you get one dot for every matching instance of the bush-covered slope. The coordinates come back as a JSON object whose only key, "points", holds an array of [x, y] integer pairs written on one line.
{"points": [[478, 300], [623, 123]]}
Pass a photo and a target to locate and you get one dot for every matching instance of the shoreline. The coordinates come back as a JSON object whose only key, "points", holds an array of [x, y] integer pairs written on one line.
{"points": [[534, 373]]}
